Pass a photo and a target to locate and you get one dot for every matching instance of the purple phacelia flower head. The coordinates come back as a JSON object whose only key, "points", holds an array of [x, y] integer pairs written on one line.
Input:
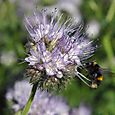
{"points": [[55, 49]]}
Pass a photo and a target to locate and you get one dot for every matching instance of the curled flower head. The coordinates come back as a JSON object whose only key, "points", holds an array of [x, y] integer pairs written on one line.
{"points": [[56, 48]]}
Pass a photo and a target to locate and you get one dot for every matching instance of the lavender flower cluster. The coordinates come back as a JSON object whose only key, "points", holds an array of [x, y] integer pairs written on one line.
{"points": [[43, 103], [55, 49]]}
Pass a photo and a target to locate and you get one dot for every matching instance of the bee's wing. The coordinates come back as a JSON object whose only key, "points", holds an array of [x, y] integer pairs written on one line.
{"points": [[108, 72]]}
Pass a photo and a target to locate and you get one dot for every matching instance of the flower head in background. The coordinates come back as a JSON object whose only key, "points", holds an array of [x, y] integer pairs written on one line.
{"points": [[55, 50], [83, 109], [43, 103]]}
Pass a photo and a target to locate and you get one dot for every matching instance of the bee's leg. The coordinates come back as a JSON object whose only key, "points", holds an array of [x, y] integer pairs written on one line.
{"points": [[78, 75], [83, 76]]}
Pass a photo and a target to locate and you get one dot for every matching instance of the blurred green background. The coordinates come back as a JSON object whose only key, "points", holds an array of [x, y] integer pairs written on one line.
{"points": [[99, 19]]}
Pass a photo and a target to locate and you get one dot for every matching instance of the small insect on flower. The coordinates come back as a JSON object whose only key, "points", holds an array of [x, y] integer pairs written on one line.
{"points": [[55, 49], [94, 73]]}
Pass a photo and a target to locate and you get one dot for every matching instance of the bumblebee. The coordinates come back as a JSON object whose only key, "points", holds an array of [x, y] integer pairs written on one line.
{"points": [[94, 73]]}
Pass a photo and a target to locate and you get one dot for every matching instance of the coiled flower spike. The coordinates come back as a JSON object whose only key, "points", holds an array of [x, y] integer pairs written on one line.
{"points": [[55, 50]]}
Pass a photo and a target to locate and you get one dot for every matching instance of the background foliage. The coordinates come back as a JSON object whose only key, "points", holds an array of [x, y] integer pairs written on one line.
{"points": [[13, 38]]}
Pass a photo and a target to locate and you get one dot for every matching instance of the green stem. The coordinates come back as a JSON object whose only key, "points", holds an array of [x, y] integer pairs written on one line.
{"points": [[106, 39], [111, 12], [108, 47], [28, 105]]}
